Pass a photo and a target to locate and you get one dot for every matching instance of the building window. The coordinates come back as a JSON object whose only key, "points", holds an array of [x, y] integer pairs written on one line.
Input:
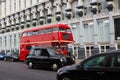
{"points": [[25, 3], [118, 46], [100, 30], [10, 40], [0, 41], [104, 48], [88, 32], [106, 30], [119, 3], [5, 41], [74, 32], [103, 31], [88, 49], [14, 40], [117, 28]]}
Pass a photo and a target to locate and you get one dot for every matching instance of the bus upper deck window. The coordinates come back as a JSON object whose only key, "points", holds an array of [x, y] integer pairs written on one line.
{"points": [[57, 47], [49, 30], [55, 29], [64, 47], [41, 31], [68, 30], [29, 33], [62, 30], [34, 32], [28, 47], [24, 34]]}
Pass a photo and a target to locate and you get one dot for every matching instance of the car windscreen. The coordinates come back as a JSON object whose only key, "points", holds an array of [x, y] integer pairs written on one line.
{"points": [[52, 52]]}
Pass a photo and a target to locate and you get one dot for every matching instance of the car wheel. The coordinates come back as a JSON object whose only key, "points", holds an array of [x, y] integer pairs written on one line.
{"points": [[30, 65], [54, 67], [65, 78]]}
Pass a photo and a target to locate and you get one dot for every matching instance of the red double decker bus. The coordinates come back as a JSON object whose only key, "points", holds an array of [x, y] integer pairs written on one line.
{"points": [[55, 35]]}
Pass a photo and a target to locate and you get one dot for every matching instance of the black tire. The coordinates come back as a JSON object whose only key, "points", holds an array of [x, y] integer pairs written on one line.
{"points": [[65, 77], [30, 65], [54, 67]]}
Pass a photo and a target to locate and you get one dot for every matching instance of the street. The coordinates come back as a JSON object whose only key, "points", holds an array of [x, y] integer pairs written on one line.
{"points": [[20, 71]]}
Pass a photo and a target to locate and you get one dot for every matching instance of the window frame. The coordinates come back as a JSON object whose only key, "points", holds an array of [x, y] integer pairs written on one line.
{"points": [[44, 53], [36, 53], [113, 59], [29, 33], [55, 29], [49, 30], [35, 32], [41, 31], [24, 34], [61, 29], [107, 57]]}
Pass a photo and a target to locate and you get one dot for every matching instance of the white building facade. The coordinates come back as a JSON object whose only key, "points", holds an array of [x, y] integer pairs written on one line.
{"points": [[94, 23]]}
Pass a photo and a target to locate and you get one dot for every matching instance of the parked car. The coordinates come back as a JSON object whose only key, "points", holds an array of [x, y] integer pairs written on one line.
{"points": [[105, 66], [11, 56], [2, 55], [47, 57]]}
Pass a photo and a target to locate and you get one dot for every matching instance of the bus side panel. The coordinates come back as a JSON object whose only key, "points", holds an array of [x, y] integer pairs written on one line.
{"points": [[45, 38], [23, 55]]}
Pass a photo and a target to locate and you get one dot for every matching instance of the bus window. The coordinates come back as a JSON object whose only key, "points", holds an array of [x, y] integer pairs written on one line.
{"points": [[62, 30], [41, 31], [49, 30], [24, 34], [64, 47], [55, 29], [68, 30], [29, 33], [56, 46], [28, 47], [34, 32]]}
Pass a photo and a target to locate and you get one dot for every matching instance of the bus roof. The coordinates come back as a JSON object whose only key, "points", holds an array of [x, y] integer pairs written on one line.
{"points": [[45, 26]]}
